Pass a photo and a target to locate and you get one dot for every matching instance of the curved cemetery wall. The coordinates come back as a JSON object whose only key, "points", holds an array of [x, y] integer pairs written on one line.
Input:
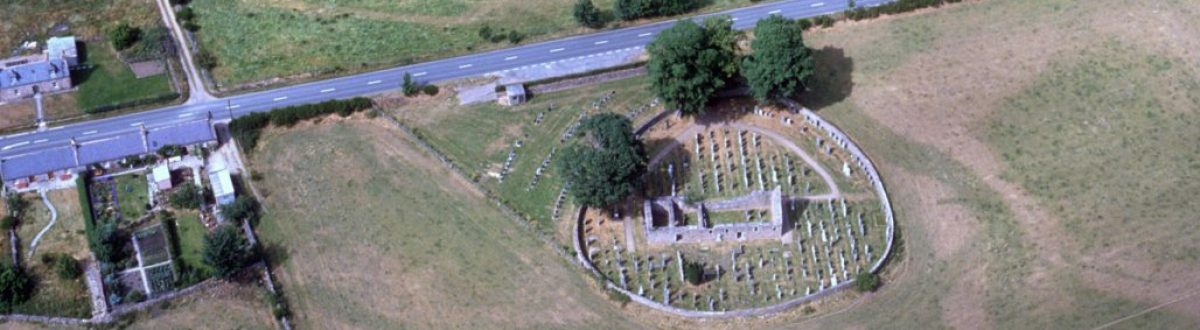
{"points": [[858, 157]]}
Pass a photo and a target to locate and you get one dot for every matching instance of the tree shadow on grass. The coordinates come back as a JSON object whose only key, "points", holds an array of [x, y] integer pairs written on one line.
{"points": [[832, 81]]}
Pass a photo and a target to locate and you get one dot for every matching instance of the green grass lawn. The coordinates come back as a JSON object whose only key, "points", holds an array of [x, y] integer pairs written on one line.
{"points": [[191, 240], [258, 40], [396, 242], [107, 81], [132, 195]]}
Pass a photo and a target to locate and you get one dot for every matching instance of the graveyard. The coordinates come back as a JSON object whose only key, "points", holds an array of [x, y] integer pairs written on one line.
{"points": [[733, 192]]}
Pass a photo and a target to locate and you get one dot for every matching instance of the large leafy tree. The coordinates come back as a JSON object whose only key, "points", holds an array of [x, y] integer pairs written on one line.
{"points": [[226, 251], [781, 64], [15, 287], [605, 163], [587, 14], [690, 63]]}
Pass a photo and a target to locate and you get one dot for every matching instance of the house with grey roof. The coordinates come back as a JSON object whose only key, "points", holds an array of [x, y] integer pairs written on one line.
{"points": [[22, 77]]}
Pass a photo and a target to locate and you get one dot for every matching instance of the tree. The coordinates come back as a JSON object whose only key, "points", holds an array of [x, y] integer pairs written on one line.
{"points": [[244, 208], [586, 14], [410, 87], [866, 282], [107, 242], [226, 251], [605, 163], [16, 204], [688, 63], [635, 9], [206, 59], [15, 287], [9, 222], [186, 197], [122, 35], [781, 64]]}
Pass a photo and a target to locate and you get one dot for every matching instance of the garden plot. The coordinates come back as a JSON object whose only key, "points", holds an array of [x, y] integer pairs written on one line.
{"points": [[124, 197]]}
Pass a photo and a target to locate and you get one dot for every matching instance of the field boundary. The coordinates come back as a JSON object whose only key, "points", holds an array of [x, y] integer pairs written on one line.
{"points": [[858, 156]]}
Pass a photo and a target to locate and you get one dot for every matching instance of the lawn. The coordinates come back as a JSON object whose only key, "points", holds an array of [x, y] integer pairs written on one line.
{"points": [[228, 306], [260, 40], [54, 296], [190, 233], [371, 233], [108, 82], [133, 195], [479, 138]]}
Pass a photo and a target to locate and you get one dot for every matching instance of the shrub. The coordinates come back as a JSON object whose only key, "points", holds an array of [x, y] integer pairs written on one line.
{"points": [[226, 251], [8, 222], [866, 282], [409, 86], [135, 296], [206, 59], [243, 208], [185, 14], [693, 272], [170, 150], [246, 129], [67, 267], [586, 14], [186, 197], [515, 37], [635, 9], [430, 90], [123, 35], [15, 287]]}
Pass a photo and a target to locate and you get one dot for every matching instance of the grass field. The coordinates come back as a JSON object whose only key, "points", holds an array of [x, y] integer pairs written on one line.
{"points": [[371, 233], [191, 240], [1038, 154], [228, 306], [54, 296], [133, 195], [35, 20], [259, 40]]}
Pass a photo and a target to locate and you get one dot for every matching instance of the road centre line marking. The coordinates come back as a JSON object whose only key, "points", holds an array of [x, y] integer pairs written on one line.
{"points": [[184, 115], [557, 50], [327, 90], [418, 74], [281, 98], [40, 140], [374, 82], [818, 4], [643, 35], [601, 42], [56, 128], [774, 11], [235, 106], [734, 19], [510, 58], [14, 145], [464, 66], [89, 132], [136, 124]]}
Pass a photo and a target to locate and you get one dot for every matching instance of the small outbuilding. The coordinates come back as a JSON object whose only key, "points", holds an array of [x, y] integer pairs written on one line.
{"points": [[221, 181], [513, 94], [162, 176]]}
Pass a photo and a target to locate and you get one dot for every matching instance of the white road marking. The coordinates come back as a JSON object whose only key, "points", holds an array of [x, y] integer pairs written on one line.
{"points": [[774, 11], [510, 58], [818, 4], [185, 115], [464, 66], [56, 128], [235, 106], [281, 98], [374, 82], [136, 124], [40, 140], [601, 42], [734, 19], [557, 50], [643, 35], [14, 145], [418, 74], [327, 90], [89, 132]]}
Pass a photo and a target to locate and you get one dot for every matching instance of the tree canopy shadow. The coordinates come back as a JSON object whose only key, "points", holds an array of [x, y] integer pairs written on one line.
{"points": [[832, 81]]}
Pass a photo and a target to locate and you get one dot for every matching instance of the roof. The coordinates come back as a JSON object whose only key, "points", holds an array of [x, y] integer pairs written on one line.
{"points": [[58, 47], [111, 148], [162, 172], [37, 162], [222, 183], [514, 89], [35, 72], [181, 134]]}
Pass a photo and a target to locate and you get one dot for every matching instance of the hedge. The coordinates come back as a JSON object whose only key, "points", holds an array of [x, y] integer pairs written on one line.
{"points": [[85, 204], [246, 129], [139, 102], [897, 7]]}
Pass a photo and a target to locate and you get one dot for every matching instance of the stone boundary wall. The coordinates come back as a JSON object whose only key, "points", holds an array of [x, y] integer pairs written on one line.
{"points": [[858, 156], [706, 232]]}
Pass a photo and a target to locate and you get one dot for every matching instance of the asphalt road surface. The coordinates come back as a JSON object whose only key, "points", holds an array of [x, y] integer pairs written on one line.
{"points": [[626, 39]]}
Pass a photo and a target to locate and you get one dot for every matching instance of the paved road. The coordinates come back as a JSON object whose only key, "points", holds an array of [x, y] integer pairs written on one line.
{"points": [[516, 58]]}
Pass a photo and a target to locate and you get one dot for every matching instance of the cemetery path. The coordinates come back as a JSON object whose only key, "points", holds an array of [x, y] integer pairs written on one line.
{"points": [[834, 191]]}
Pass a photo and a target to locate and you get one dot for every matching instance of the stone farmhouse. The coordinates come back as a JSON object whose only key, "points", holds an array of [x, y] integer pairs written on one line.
{"points": [[50, 72]]}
